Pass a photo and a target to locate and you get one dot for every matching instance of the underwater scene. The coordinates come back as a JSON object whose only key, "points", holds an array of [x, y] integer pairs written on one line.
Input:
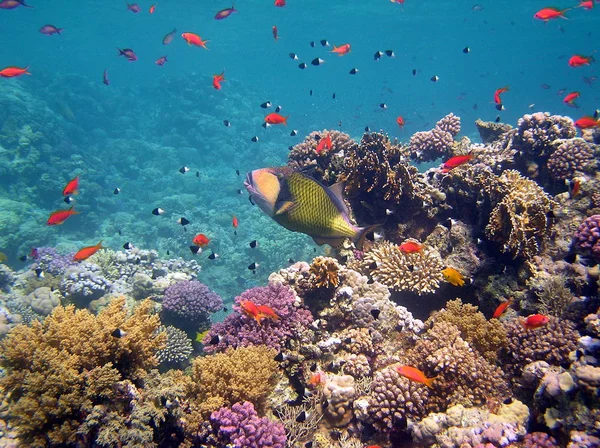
{"points": [[299, 224]]}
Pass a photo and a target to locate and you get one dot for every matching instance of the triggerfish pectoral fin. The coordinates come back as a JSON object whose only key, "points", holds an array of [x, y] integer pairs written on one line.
{"points": [[283, 207]]}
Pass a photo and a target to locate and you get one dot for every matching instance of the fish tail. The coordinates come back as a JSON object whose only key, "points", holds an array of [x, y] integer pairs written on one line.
{"points": [[99, 245], [429, 382], [362, 233]]}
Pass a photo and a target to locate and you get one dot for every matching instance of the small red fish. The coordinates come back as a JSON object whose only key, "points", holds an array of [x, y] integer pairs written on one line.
{"points": [[12, 4], [250, 309], [218, 79], [455, 161], [570, 98], [275, 118], [267, 312], [222, 14], [400, 121], [194, 39], [13, 72], [579, 60], [497, 94], [71, 187], [501, 309], [534, 321], [275, 33], [546, 14], [50, 30], [410, 247], [152, 9], [341, 50], [59, 216], [587, 122], [414, 374], [201, 240], [87, 252], [575, 187], [280, 3], [134, 8], [586, 4], [234, 222], [317, 379], [34, 253], [161, 61], [324, 143]]}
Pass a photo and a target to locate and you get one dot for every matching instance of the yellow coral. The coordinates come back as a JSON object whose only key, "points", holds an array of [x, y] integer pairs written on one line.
{"points": [[325, 272]]}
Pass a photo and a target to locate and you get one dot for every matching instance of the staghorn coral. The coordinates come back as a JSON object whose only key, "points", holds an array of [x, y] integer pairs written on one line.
{"points": [[521, 218], [419, 272], [57, 371], [485, 336], [324, 272], [535, 133], [177, 349], [327, 165], [587, 236], [570, 157], [241, 374]]}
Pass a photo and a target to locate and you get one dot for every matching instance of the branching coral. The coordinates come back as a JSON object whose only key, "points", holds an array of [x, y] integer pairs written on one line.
{"points": [[191, 301], [58, 370], [522, 216], [178, 348], [536, 132], [325, 272], [431, 145], [419, 272]]}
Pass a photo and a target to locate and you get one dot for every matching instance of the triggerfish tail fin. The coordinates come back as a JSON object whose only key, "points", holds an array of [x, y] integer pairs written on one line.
{"points": [[359, 240]]}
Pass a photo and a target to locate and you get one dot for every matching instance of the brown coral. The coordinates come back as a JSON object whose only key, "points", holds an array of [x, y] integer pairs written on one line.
{"points": [[490, 131], [325, 272], [536, 132], [570, 157], [59, 370]]}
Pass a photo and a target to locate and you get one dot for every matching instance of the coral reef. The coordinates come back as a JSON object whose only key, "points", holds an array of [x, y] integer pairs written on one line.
{"points": [[535, 133], [191, 302], [571, 157], [587, 236], [177, 349], [430, 145], [490, 131]]}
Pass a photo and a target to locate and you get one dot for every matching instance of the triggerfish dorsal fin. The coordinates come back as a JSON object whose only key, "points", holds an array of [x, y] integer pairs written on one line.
{"points": [[282, 207]]}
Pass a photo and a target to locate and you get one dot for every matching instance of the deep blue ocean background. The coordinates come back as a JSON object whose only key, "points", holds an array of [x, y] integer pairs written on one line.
{"points": [[138, 131]]}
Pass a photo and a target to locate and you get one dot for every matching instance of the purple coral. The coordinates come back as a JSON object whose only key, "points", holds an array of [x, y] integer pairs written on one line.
{"points": [[539, 440], [450, 123], [536, 132], [50, 261], [191, 301], [240, 330], [430, 145], [242, 427], [587, 236], [84, 282], [571, 156]]}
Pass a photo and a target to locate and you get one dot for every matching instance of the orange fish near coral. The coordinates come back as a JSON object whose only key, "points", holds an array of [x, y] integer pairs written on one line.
{"points": [[13, 72], [317, 379], [453, 277], [586, 4], [194, 39], [410, 247], [455, 161], [59, 216], [87, 252], [534, 321], [497, 94], [546, 14], [201, 240], [414, 374], [570, 98], [501, 309], [218, 79], [575, 187], [342, 49], [71, 187], [400, 121], [235, 222], [587, 122], [579, 60], [267, 311], [275, 118], [250, 309], [324, 143], [280, 3]]}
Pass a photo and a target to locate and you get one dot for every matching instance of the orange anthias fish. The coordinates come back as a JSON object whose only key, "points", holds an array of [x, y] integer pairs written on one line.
{"points": [[71, 187], [400, 121], [497, 94], [250, 309], [324, 143], [275, 33], [12, 72], [586, 4], [410, 247], [414, 374], [152, 9], [455, 161], [570, 98], [274, 118], [341, 50], [87, 252], [218, 79], [575, 187], [280, 3], [59, 216], [579, 60], [317, 379], [534, 321], [587, 122], [194, 39], [546, 14], [201, 240], [453, 277], [235, 222], [267, 311], [501, 309]]}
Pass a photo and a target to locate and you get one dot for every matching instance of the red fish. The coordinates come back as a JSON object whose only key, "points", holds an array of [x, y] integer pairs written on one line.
{"points": [[497, 94], [234, 222], [201, 240], [218, 79], [274, 118], [161, 61], [267, 312], [575, 187], [410, 247], [71, 187], [400, 121], [587, 122], [225, 13], [280, 3], [87, 252], [546, 14], [324, 143], [317, 379], [579, 60], [152, 9], [534, 321], [59, 216], [275, 33], [455, 161], [12, 4], [341, 50], [128, 53], [134, 8], [570, 98], [250, 309], [13, 72], [501, 309], [194, 39], [50, 30], [586, 4], [414, 374]]}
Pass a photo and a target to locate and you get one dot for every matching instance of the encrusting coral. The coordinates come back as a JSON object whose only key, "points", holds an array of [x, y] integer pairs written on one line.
{"points": [[57, 371]]}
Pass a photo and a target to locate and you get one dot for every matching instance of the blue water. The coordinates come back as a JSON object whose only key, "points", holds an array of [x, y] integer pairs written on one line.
{"points": [[138, 131]]}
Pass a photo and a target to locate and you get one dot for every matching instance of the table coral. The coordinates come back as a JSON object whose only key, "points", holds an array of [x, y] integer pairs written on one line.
{"points": [[587, 236], [58, 370], [241, 426], [570, 157], [192, 302]]}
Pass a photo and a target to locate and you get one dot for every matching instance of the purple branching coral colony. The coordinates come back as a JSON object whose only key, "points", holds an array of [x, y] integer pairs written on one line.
{"points": [[191, 301]]}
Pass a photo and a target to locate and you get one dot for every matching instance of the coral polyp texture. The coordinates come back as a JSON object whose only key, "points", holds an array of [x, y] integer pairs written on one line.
{"points": [[430, 145], [571, 157], [535, 133], [191, 301], [587, 236]]}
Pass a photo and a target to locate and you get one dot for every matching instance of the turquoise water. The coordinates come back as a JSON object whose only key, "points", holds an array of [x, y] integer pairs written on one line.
{"points": [[137, 132]]}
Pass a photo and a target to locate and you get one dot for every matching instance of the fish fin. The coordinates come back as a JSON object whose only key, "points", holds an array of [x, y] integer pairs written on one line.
{"points": [[286, 206], [338, 191], [332, 241], [359, 239], [429, 382]]}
